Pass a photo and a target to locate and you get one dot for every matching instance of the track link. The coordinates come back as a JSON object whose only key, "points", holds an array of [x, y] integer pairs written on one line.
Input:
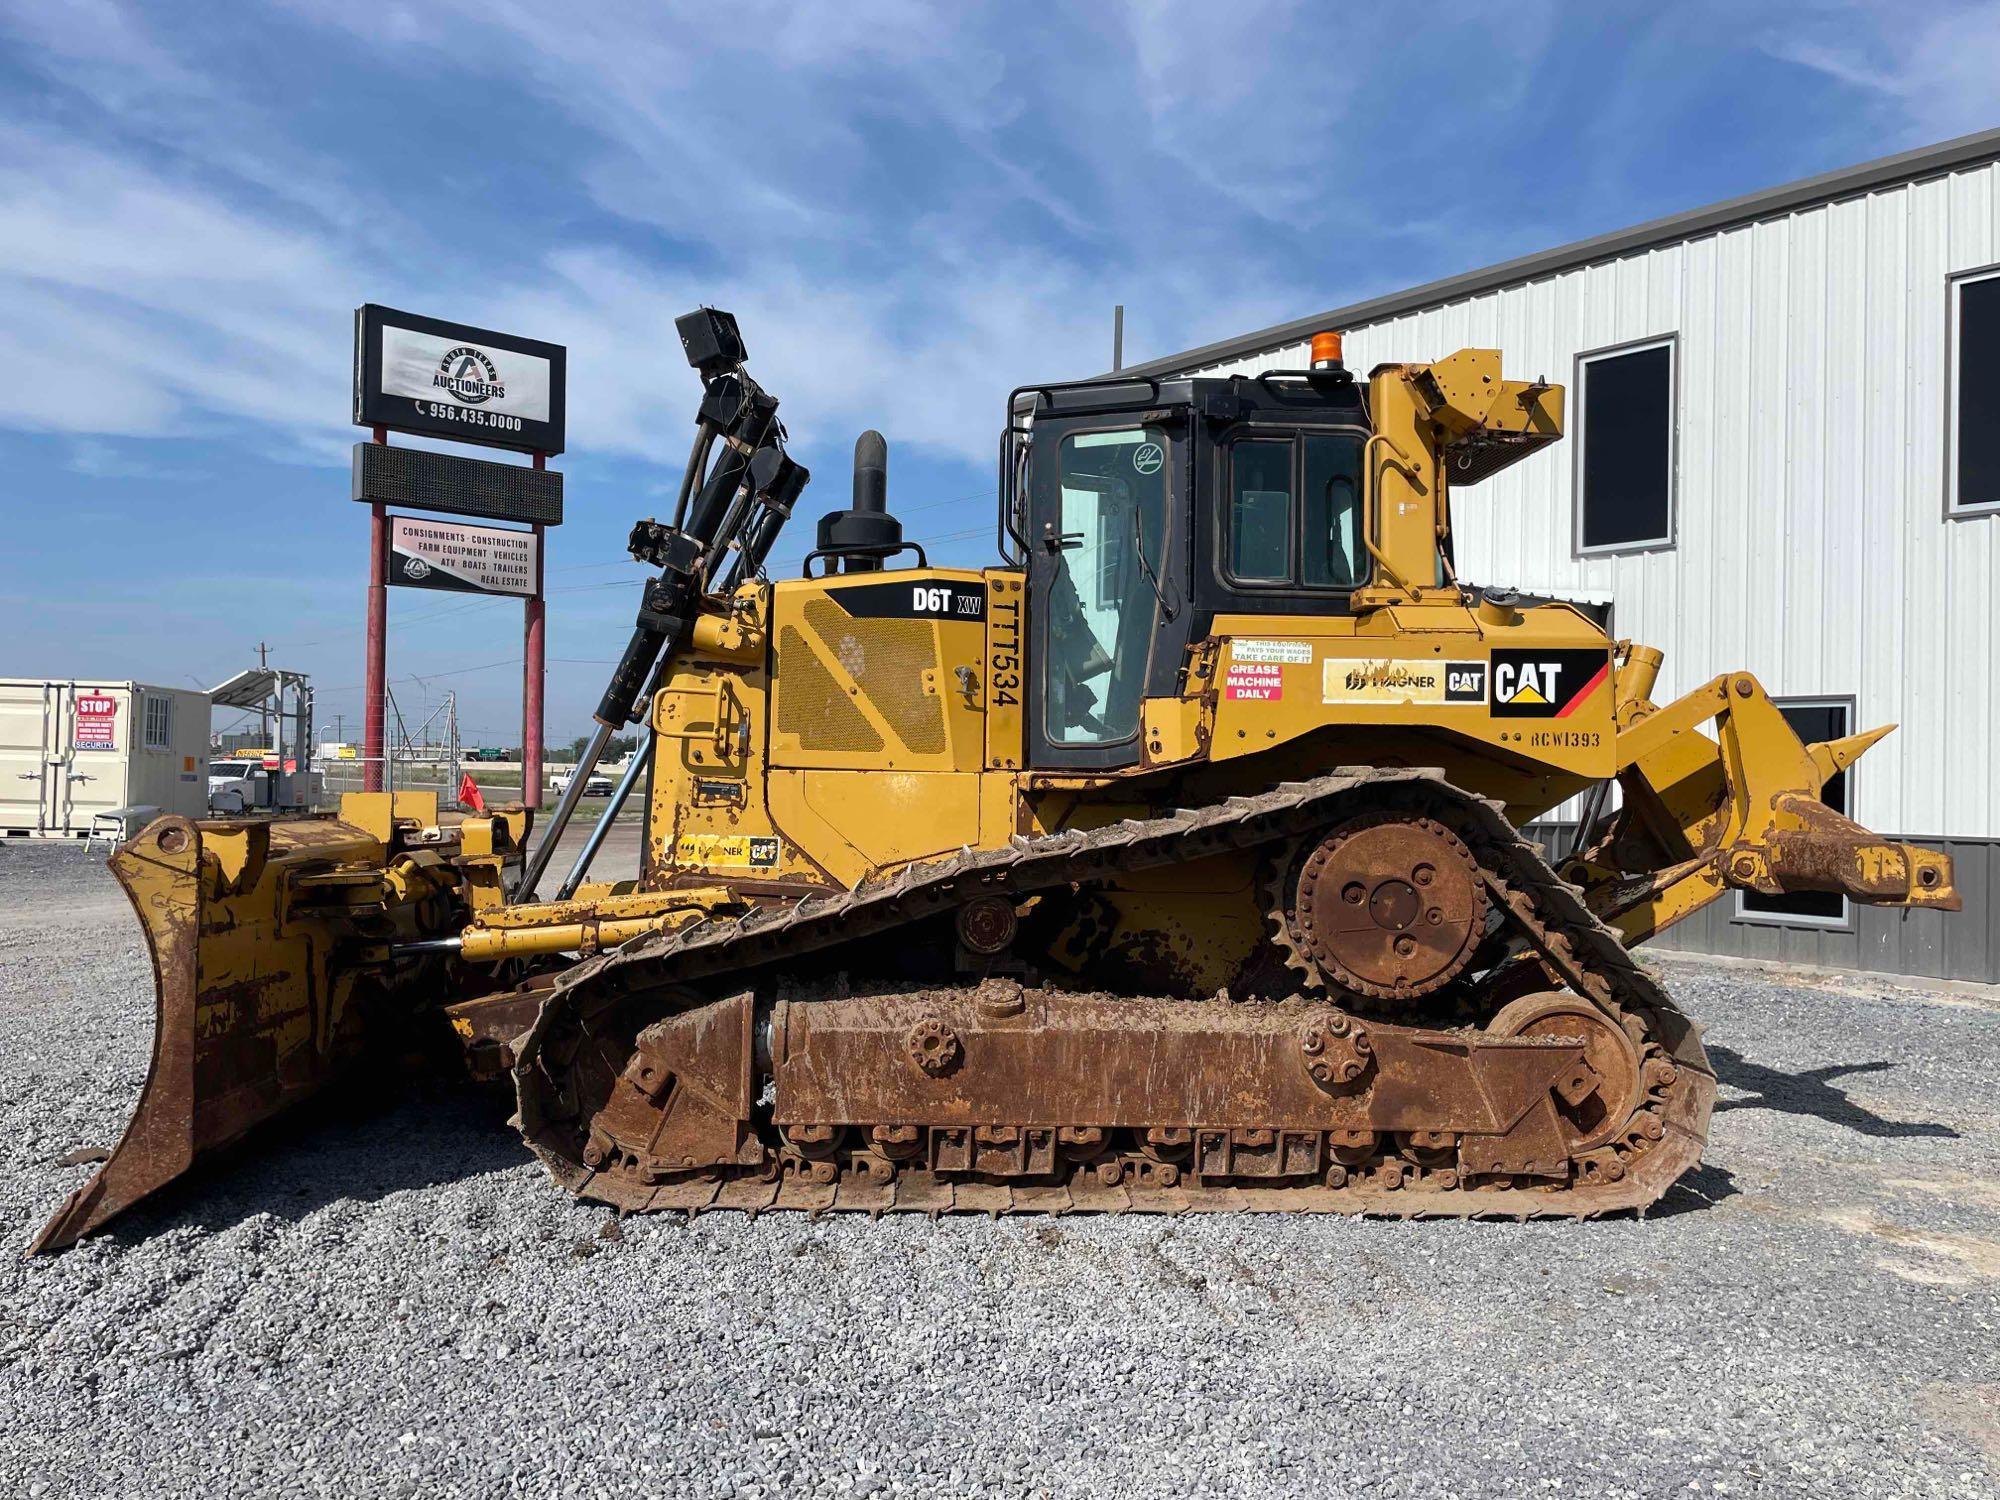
{"points": [[585, 1020]]}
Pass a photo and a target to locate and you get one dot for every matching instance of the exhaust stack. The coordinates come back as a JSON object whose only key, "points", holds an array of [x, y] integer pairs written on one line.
{"points": [[861, 539]]}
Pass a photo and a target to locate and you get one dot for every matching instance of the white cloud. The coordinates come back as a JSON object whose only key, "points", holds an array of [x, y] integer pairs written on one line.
{"points": [[1932, 66], [155, 294], [139, 305]]}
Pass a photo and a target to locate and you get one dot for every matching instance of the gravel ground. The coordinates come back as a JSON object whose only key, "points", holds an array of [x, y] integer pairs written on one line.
{"points": [[392, 1300]]}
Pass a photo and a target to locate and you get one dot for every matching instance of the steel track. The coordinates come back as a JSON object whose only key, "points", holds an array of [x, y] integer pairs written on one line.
{"points": [[1662, 1139]]}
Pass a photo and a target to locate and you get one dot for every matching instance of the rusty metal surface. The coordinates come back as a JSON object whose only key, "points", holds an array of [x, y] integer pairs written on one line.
{"points": [[1389, 906], [235, 1040], [252, 1014], [1003, 1101], [1118, 1063], [1824, 851]]}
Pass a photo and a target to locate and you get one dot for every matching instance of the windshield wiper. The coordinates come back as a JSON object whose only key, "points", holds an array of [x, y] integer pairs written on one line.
{"points": [[1167, 611]]}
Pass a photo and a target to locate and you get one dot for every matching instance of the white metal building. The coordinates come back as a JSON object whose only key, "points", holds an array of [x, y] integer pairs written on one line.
{"points": [[1784, 456]]}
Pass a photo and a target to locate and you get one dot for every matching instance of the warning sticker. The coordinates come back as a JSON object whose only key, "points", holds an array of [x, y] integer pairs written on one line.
{"points": [[1292, 653], [96, 722], [741, 850], [1258, 683]]}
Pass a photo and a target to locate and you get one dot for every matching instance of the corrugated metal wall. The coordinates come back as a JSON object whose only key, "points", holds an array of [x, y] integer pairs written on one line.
{"points": [[1813, 547]]}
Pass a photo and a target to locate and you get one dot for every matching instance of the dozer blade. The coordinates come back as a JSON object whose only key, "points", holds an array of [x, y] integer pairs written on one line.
{"points": [[255, 931]]}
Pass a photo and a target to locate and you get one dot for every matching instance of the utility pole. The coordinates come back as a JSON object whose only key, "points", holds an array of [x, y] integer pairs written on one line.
{"points": [[1117, 338], [264, 713]]}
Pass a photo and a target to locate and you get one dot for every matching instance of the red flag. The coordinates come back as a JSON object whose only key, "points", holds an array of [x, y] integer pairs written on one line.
{"points": [[468, 794]]}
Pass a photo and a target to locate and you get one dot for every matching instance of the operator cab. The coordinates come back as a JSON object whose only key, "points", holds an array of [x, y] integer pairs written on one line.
{"points": [[1142, 508]]}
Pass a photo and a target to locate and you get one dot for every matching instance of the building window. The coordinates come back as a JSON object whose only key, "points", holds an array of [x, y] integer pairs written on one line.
{"points": [[159, 722], [1625, 448], [1813, 720], [1975, 394]]}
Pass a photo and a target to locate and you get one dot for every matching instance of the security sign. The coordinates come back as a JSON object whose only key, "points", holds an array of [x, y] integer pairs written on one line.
{"points": [[96, 722], [1529, 684]]}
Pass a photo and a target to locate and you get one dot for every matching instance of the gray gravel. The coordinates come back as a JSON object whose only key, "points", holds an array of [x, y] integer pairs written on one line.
{"points": [[392, 1300]]}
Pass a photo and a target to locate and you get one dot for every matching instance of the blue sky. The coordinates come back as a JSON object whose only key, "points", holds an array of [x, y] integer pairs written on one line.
{"points": [[911, 208]]}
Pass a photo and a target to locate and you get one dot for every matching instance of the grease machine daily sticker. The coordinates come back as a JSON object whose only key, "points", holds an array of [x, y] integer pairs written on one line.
{"points": [[1530, 684], [1255, 682], [1389, 681]]}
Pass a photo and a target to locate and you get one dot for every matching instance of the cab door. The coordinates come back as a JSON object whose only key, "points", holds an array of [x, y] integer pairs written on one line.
{"points": [[1105, 495]]}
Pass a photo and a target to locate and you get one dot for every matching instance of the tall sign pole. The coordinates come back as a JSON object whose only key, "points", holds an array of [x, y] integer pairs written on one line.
{"points": [[532, 647], [469, 385], [374, 706]]}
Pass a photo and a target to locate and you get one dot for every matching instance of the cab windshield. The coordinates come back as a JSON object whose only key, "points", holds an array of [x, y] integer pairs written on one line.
{"points": [[1105, 593]]}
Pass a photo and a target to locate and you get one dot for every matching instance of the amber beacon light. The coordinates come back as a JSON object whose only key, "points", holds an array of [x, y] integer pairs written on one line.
{"points": [[1325, 350]]}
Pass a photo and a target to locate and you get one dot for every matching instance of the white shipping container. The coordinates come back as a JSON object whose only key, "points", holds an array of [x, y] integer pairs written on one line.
{"points": [[73, 748]]}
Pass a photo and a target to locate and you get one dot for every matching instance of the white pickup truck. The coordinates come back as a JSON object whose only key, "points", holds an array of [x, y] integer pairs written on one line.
{"points": [[236, 786], [239, 785], [597, 786]]}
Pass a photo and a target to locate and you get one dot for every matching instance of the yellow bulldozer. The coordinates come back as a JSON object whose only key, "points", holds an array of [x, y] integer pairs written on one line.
{"points": [[1173, 863]]}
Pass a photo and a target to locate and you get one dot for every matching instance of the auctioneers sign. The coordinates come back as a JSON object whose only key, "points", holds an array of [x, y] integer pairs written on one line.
{"points": [[451, 380], [469, 559]]}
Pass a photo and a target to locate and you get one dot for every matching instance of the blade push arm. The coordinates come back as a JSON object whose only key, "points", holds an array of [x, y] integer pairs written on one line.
{"points": [[1739, 807]]}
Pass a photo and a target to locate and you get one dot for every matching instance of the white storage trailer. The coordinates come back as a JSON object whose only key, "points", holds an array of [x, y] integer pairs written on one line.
{"points": [[73, 748]]}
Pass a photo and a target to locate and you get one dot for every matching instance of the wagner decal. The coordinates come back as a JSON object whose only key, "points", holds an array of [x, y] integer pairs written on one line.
{"points": [[1378, 681], [1528, 684], [735, 850], [1382, 681], [1288, 653], [933, 600], [1255, 683]]}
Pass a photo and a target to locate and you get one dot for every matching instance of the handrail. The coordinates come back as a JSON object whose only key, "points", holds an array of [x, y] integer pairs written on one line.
{"points": [[1375, 497]]}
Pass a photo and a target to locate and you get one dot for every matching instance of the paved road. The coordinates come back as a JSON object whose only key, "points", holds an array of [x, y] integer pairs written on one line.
{"points": [[388, 1297]]}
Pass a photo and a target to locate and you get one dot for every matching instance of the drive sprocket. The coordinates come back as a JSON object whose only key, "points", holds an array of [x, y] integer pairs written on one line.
{"points": [[1388, 905]]}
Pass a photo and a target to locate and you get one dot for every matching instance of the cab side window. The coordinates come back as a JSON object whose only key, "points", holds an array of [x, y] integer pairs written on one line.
{"points": [[1260, 511], [1294, 518], [1332, 511]]}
